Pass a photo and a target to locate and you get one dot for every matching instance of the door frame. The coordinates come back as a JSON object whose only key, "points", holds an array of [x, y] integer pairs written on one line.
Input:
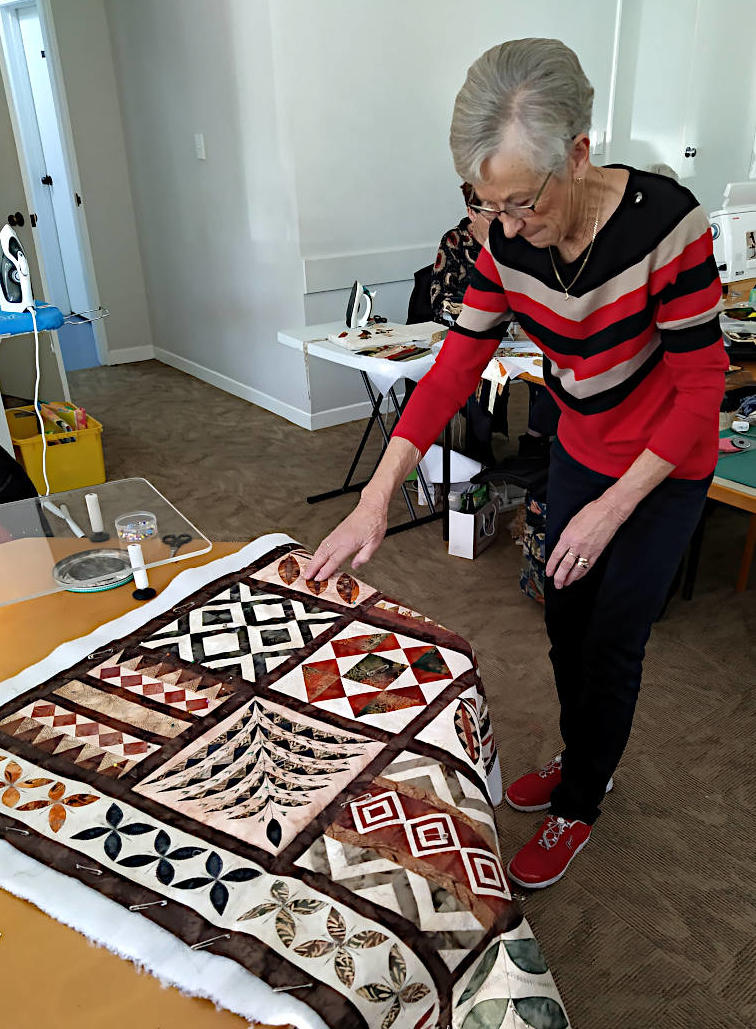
{"points": [[52, 54]]}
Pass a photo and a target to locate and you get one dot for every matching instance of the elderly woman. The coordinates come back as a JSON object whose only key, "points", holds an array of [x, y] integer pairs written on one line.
{"points": [[610, 271]]}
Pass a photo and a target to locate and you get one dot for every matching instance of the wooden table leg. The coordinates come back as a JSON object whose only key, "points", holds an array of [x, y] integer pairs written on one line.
{"points": [[747, 558]]}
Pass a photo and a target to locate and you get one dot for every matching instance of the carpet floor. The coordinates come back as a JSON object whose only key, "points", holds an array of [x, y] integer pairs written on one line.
{"points": [[652, 928]]}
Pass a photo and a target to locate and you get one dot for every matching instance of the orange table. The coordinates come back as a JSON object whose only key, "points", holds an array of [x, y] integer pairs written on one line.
{"points": [[52, 977]]}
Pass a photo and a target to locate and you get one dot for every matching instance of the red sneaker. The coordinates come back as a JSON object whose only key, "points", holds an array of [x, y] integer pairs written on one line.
{"points": [[532, 791], [546, 857]]}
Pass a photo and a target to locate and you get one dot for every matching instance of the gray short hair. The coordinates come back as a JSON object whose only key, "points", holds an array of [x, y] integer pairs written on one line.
{"points": [[536, 86]]}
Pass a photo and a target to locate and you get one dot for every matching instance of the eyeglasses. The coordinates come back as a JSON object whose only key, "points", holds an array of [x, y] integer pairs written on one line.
{"points": [[511, 210]]}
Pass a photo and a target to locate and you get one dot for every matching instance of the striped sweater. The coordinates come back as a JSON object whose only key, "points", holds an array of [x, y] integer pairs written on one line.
{"points": [[634, 358]]}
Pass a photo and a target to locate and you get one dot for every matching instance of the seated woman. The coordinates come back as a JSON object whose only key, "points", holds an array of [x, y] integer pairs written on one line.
{"points": [[457, 253]]}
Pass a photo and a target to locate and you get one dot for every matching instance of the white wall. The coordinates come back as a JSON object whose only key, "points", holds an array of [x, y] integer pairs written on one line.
{"points": [[218, 236], [87, 65], [367, 94], [686, 75], [326, 128]]}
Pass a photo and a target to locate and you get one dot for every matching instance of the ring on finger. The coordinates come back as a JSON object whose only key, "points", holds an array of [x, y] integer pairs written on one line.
{"points": [[583, 562]]}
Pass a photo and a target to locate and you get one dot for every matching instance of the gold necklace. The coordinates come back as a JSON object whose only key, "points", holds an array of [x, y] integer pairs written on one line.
{"points": [[568, 287]]}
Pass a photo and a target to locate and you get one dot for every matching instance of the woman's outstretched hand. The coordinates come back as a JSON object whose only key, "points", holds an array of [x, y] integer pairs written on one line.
{"points": [[360, 534]]}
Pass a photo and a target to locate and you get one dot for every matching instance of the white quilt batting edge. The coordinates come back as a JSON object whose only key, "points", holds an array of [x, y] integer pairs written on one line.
{"points": [[103, 921]]}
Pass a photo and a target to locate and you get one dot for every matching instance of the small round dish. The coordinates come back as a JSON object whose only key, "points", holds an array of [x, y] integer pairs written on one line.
{"points": [[136, 526], [92, 571]]}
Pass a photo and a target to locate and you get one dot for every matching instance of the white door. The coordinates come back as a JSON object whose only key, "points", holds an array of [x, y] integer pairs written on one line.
{"points": [[17, 364], [48, 165]]}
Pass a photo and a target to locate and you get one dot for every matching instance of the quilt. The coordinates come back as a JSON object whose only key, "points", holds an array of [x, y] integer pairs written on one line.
{"points": [[294, 780]]}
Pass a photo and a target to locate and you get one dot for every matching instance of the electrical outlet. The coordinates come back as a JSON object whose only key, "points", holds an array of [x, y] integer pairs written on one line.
{"points": [[199, 146]]}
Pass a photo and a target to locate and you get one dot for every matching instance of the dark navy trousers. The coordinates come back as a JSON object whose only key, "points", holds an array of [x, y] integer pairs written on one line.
{"points": [[599, 625]]}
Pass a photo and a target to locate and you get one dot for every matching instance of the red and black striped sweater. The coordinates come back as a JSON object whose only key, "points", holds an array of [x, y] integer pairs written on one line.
{"points": [[634, 358]]}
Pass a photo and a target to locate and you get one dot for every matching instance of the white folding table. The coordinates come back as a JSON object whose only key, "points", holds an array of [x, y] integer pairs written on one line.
{"points": [[379, 377]]}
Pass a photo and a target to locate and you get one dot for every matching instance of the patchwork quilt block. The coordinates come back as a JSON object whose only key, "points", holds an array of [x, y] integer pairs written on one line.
{"points": [[301, 780]]}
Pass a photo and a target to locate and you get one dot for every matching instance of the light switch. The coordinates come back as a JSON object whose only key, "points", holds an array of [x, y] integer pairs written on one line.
{"points": [[199, 146]]}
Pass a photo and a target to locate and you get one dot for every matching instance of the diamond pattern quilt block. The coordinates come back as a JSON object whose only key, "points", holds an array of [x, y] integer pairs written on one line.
{"points": [[263, 773], [372, 675], [245, 630]]}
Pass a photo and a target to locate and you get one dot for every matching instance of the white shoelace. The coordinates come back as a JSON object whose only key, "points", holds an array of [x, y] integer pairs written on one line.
{"points": [[553, 831], [551, 767]]}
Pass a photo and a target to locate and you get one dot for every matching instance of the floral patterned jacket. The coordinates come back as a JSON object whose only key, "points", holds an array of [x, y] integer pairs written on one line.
{"points": [[457, 253]]}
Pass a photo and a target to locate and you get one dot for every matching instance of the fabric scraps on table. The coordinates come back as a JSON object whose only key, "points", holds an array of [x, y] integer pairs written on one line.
{"points": [[299, 777]]}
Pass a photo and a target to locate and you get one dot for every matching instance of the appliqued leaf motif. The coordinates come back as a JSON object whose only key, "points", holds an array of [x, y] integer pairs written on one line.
{"points": [[392, 1014], [489, 1014], [315, 948], [414, 992], [366, 938], [344, 967], [397, 967], [376, 993], [540, 1012], [194, 883], [80, 800], [11, 796], [214, 865], [219, 897], [306, 907], [56, 791], [527, 955], [316, 586], [347, 588], [285, 927], [258, 912], [280, 891], [56, 817], [273, 831], [240, 875], [481, 973], [13, 771], [336, 926], [288, 569]]}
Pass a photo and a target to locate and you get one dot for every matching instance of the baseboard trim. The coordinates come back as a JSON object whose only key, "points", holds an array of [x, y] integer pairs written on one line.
{"points": [[305, 419], [124, 355]]}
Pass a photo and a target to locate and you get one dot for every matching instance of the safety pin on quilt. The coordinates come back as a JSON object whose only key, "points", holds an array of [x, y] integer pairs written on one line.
{"points": [[356, 800], [88, 868], [284, 989], [206, 943], [12, 828], [149, 904]]}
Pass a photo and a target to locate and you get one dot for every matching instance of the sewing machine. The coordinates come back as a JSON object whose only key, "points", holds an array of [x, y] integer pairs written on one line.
{"points": [[734, 231]]}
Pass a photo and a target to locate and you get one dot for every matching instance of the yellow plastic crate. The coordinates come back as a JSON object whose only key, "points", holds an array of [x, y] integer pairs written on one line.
{"points": [[69, 465]]}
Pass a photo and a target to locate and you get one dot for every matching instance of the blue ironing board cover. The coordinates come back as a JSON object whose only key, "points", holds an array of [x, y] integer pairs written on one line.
{"points": [[48, 317]]}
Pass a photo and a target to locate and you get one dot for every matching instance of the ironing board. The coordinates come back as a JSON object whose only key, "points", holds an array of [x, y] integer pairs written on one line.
{"points": [[49, 319], [379, 377]]}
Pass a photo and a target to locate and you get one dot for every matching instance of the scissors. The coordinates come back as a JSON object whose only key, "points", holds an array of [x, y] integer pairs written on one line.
{"points": [[176, 542]]}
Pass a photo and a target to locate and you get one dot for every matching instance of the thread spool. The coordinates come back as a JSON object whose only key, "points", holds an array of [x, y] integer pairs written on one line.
{"points": [[98, 534], [143, 589]]}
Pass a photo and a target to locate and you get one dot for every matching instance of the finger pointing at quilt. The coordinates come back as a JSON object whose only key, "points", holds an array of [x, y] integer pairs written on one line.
{"points": [[360, 534]]}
